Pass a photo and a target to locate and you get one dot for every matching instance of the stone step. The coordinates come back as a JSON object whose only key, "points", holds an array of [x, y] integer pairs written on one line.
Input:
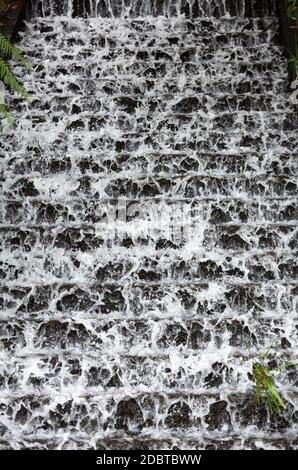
{"points": [[124, 442], [146, 336], [156, 26], [152, 32], [47, 135], [145, 87], [158, 70], [74, 88], [260, 213], [163, 234], [143, 8], [121, 30], [219, 106], [131, 374], [176, 415], [190, 186], [197, 301], [166, 164], [76, 114], [147, 39], [147, 265], [221, 61]]}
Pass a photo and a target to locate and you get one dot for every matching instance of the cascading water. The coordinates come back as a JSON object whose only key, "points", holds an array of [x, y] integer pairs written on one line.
{"points": [[148, 229], [136, 8]]}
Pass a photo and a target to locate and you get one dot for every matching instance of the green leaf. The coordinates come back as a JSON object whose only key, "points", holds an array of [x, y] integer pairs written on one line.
{"points": [[10, 51], [10, 80], [4, 112], [292, 9], [265, 387]]}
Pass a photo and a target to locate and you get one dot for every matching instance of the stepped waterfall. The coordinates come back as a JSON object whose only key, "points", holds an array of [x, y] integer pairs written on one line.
{"points": [[148, 228]]}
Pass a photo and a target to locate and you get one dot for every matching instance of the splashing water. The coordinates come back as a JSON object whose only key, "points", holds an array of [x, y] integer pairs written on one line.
{"points": [[169, 8], [148, 228]]}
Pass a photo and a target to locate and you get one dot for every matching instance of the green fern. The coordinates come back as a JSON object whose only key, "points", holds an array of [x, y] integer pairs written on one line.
{"points": [[11, 82], [292, 9], [10, 52], [4, 111], [294, 61], [5, 4]]}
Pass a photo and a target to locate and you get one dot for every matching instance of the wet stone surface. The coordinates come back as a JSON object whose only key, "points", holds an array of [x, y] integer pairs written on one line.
{"points": [[148, 229]]}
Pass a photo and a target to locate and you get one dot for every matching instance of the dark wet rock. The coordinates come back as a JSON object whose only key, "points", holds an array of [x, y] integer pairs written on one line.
{"points": [[38, 301], [248, 413], [241, 336], [95, 123], [187, 299], [96, 376], [114, 382], [21, 239], [48, 213], [77, 239], [218, 416], [210, 270], [260, 273], [267, 239], [216, 376], [110, 270], [60, 416], [198, 335], [76, 125], [218, 216], [76, 301], [233, 242], [129, 415], [78, 335], [174, 335], [56, 334], [280, 422], [22, 415], [187, 105], [179, 416], [149, 275], [149, 190], [75, 109], [53, 333], [128, 104], [3, 429], [113, 301], [288, 270], [25, 188], [11, 336]]}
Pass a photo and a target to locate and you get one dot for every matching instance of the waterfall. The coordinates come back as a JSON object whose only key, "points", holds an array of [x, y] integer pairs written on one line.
{"points": [[148, 228], [168, 8]]}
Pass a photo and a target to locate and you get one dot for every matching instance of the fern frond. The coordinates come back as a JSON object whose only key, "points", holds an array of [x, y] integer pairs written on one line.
{"points": [[292, 9], [10, 51], [9, 79], [293, 61], [5, 4], [4, 112]]}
